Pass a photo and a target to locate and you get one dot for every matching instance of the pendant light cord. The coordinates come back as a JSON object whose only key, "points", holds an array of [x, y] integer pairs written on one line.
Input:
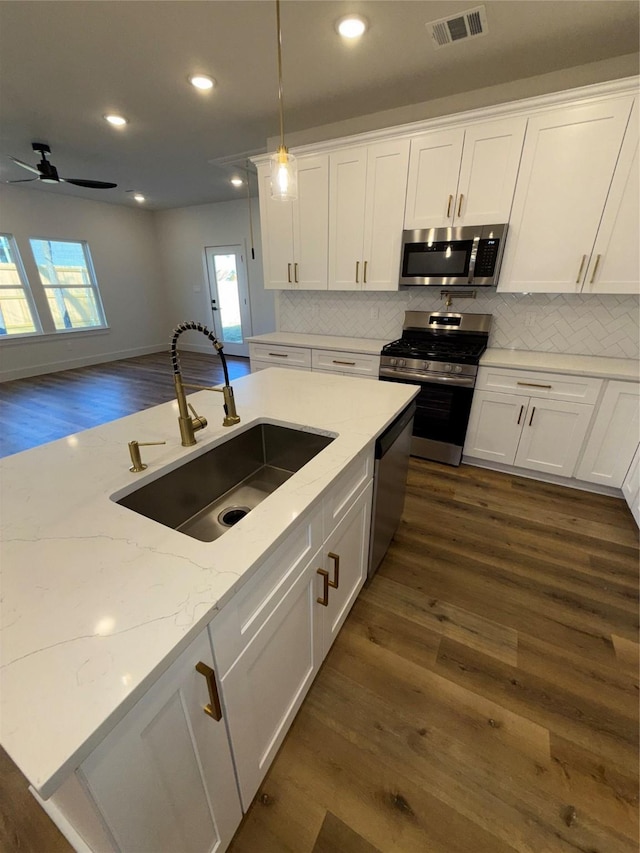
{"points": [[280, 73]]}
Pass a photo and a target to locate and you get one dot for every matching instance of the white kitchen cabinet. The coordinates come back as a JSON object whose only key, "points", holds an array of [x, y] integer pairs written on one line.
{"points": [[463, 175], [343, 362], [274, 355], [614, 437], [295, 233], [163, 778], [631, 487], [367, 187], [568, 163], [495, 426]]}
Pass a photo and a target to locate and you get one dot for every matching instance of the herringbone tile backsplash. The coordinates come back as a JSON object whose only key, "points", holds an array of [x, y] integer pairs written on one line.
{"points": [[584, 325]]}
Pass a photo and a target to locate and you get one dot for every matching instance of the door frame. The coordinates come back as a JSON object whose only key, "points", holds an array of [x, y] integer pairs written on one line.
{"points": [[240, 251]]}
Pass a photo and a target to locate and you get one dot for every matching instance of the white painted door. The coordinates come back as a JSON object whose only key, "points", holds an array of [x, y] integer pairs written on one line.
{"points": [[347, 186], [229, 294], [434, 167], [495, 426], [310, 224], [614, 436], [552, 436], [346, 556], [387, 164], [568, 162], [163, 779], [615, 261], [276, 225], [488, 173]]}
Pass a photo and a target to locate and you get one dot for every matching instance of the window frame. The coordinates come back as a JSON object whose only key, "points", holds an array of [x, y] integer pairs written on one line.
{"points": [[25, 286]]}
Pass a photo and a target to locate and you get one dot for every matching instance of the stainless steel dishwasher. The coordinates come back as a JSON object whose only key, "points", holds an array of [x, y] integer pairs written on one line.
{"points": [[389, 484]]}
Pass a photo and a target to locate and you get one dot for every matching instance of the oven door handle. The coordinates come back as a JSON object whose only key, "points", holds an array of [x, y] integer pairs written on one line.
{"points": [[442, 379]]}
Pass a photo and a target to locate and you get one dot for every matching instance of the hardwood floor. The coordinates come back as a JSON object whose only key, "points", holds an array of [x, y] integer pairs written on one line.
{"points": [[482, 696]]}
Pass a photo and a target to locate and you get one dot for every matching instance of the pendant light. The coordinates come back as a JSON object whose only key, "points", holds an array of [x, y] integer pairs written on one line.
{"points": [[284, 172]]}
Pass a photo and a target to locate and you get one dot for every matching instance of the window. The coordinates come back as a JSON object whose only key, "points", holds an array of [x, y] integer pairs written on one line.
{"points": [[17, 312], [66, 274]]}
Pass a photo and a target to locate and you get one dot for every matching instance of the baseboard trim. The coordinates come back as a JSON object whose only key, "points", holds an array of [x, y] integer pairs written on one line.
{"points": [[84, 361]]}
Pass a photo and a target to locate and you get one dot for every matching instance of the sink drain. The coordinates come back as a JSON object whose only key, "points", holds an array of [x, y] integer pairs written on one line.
{"points": [[232, 515]]}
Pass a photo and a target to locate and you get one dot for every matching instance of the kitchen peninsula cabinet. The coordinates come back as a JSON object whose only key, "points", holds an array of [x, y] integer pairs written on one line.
{"points": [[295, 233], [567, 167], [464, 175], [367, 187]]}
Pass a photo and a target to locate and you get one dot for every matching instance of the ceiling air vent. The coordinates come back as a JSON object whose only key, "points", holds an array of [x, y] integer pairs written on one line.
{"points": [[458, 27]]}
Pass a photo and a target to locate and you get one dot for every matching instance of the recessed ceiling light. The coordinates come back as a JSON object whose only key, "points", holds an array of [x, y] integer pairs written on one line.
{"points": [[201, 81], [237, 182], [351, 26], [139, 197], [116, 120]]}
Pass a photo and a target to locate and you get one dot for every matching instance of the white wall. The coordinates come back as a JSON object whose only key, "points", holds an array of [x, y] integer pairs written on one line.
{"points": [[124, 253], [184, 233]]}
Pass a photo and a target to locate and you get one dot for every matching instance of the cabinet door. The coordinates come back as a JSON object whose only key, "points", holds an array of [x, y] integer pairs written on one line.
{"points": [[310, 224], [615, 262], [163, 779], [490, 161], [614, 436], [264, 688], [434, 166], [495, 425], [384, 211], [276, 222], [347, 185], [346, 554], [552, 436], [631, 487], [568, 161]]}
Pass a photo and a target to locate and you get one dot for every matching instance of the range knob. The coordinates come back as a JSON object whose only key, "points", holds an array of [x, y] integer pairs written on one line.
{"points": [[401, 362], [448, 368], [457, 369], [426, 365], [393, 362]]}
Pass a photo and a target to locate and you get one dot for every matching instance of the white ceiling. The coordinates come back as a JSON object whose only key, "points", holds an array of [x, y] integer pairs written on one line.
{"points": [[64, 63]]}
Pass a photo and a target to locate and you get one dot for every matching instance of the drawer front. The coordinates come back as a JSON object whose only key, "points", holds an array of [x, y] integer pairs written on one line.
{"points": [[346, 489], [345, 362], [257, 365], [239, 620], [282, 356], [551, 386]]}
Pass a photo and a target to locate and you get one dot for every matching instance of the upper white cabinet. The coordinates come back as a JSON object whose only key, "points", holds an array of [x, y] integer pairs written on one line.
{"points": [[568, 162], [295, 234], [464, 176], [367, 189]]}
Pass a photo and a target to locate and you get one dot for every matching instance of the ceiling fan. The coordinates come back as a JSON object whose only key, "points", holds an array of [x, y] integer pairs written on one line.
{"points": [[48, 174]]}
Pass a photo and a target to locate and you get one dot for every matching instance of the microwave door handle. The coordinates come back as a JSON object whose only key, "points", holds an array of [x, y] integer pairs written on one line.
{"points": [[472, 259]]}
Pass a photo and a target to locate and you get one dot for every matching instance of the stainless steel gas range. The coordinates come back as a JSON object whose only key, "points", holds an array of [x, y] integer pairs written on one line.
{"points": [[439, 351]]}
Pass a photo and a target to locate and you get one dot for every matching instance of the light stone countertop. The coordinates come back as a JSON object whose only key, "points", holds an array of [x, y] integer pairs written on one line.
{"points": [[553, 362], [97, 600], [369, 346]]}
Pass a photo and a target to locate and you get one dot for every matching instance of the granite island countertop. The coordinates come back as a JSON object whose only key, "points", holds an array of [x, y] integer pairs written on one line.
{"points": [[97, 600]]}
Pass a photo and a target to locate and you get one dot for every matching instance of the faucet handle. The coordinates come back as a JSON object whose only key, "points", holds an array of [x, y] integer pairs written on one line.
{"points": [[134, 451], [197, 420]]}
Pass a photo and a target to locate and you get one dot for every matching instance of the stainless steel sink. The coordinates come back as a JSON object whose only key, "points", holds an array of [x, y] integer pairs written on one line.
{"points": [[207, 496]]}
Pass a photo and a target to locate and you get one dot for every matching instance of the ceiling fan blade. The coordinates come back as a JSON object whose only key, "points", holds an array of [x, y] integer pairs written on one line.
{"points": [[92, 185], [22, 181], [24, 165]]}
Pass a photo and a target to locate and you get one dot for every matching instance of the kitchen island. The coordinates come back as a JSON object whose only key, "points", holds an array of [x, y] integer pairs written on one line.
{"points": [[98, 601]]}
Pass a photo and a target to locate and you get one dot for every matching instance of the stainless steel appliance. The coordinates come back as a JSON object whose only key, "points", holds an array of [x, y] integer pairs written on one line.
{"points": [[389, 482], [438, 351], [470, 254]]}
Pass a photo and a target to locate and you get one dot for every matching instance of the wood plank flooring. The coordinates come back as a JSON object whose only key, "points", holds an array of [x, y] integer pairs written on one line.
{"points": [[482, 696]]}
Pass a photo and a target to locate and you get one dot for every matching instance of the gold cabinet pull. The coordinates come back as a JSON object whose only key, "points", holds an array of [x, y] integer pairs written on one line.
{"points": [[584, 258], [348, 363], [460, 204], [533, 385], [213, 709], [357, 270], [364, 280], [533, 411], [295, 272], [279, 354], [449, 206], [595, 269], [520, 415], [289, 273], [336, 570], [324, 601]]}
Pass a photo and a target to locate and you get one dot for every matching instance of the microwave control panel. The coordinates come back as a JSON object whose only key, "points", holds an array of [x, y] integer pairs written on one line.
{"points": [[486, 258]]}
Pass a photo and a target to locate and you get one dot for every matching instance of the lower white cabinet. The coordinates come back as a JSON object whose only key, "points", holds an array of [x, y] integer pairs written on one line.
{"points": [[631, 486], [343, 362], [163, 779]]}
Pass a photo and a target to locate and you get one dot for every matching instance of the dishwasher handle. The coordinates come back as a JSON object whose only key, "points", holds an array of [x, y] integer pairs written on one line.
{"points": [[388, 437]]}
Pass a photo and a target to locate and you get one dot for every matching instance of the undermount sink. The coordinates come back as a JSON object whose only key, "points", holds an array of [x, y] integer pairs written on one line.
{"points": [[208, 495]]}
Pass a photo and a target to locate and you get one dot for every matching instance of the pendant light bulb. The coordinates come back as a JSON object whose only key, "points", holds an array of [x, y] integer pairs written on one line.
{"points": [[284, 171]]}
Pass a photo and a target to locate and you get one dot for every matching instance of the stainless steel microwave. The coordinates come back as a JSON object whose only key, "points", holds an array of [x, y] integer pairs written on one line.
{"points": [[468, 255]]}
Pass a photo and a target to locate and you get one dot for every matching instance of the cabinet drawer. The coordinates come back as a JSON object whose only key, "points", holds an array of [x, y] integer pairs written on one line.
{"points": [[257, 365], [345, 362], [240, 619], [282, 356], [346, 489], [552, 386]]}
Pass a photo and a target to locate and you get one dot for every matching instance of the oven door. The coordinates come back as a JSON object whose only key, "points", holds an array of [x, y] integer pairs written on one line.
{"points": [[441, 419]]}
